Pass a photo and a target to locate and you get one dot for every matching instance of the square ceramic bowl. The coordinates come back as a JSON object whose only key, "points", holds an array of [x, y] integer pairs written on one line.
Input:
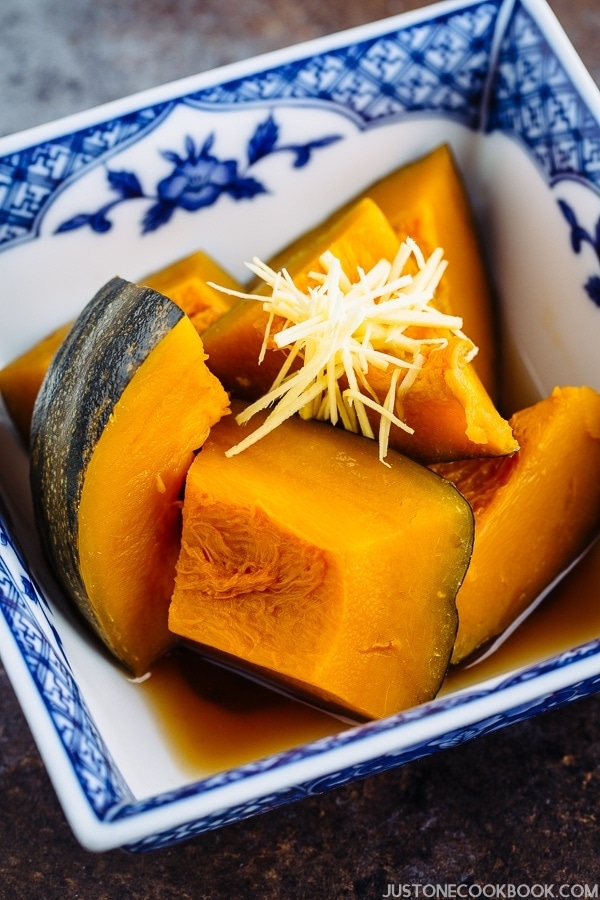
{"points": [[136, 184]]}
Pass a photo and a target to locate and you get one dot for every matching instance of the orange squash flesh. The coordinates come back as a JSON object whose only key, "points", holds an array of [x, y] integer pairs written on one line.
{"points": [[126, 402], [449, 409], [360, 238], [427, 201], [451, 412], [534, 512], [186, 283], [130, 510], [307, 561], [20, 380]]}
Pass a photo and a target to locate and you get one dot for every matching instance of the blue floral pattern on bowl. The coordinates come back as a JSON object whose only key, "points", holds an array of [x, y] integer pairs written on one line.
{"points": [[199, 178], [438, 67], [536, 102]]}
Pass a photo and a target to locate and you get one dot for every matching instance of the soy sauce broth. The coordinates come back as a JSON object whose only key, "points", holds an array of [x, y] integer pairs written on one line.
{"points": [[214, 719], [568, 617]]}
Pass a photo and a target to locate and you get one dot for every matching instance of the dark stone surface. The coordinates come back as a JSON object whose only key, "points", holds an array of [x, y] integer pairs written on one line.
{"points": [[519, 806]]}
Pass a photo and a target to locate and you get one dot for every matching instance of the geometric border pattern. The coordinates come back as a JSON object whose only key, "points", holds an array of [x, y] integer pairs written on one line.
{"points": [[383, 763], [438, 66], [30, 621], [534, 101]]}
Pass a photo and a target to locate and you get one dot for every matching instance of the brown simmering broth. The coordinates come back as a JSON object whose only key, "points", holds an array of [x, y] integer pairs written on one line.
{"points": [[569, 616], [215, 719]]}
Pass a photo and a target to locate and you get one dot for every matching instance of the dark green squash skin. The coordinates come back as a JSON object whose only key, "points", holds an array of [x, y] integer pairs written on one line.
{"points": [[106, 346]]}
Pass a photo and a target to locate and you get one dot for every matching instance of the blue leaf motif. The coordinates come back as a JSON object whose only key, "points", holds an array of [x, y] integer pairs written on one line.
{"points": [[263, 141], [126, 184], [28, 588], [76, 222], [592, 287], [171, 157], [100, 223], [206, 147], [302, 156], [190, 147], [567, 212], [580, 236], [246, 188], [158, 214], [198, 178], [97, 221]]}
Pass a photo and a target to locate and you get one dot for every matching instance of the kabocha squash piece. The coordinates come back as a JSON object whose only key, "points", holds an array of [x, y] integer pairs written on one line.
{"points": [[359, 238], [186, 283], [534, 511], [126, 402], [452, 414], [307, 563], [427, 201], [448, 412], [20, 380]]}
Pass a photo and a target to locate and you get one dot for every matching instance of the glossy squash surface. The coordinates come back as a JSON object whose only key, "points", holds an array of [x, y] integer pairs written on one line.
{"points": [[126, 402], [449, 409], [427, 200], [308, 561], [452, 414], [534, 511], [20, 380], [359, 238], [187, 283]]}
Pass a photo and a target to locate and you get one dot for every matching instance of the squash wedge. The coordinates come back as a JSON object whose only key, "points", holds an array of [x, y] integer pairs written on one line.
{"points": [[534, 511], [308, 564], [126, 402], [448, 408], [20, 380], [427, 200], [185, 282]]}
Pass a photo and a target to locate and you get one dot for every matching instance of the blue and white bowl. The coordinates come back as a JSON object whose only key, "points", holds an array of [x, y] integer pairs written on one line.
{"points": [[238, 162]]}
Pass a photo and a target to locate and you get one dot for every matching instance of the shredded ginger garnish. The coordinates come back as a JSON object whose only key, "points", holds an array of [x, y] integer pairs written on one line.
{"points": [[340, 329]]}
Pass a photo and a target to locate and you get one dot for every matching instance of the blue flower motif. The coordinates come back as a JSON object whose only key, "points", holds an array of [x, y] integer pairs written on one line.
{"points": [[592, 287], [579, 237], [198, 179]]}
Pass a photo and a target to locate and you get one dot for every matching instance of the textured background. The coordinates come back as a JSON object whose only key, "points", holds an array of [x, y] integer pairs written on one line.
{"points": [[519, 806]]}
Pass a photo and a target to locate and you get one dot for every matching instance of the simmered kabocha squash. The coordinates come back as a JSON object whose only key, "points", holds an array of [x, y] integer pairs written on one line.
{"points": [[312, 566], [360, 238], [427, 200], [126, 402], [185, 282], [534, 511], [20, 380], [448, 412]]}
